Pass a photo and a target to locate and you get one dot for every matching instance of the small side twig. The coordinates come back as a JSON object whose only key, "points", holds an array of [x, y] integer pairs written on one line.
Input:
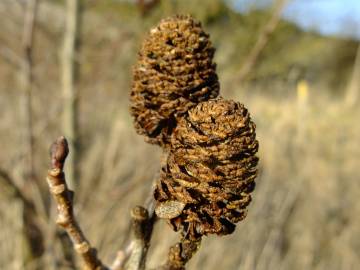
{"points": [[123, 255], [64, 200], [180, 254], [134, 255], [142, 229]]}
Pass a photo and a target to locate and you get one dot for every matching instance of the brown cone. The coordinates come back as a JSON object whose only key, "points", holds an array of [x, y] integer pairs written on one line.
{"points": [[174, 72], [210, 170]]}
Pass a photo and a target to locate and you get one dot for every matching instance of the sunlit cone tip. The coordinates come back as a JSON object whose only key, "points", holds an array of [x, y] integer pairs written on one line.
{"points": [[174, 72], [211, 169]]}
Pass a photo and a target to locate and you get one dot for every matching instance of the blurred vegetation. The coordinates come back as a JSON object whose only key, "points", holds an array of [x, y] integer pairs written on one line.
{"points": [[306, 204], [291, 54]]}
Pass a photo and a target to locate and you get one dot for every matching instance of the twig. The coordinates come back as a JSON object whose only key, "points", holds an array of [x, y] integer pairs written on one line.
{"points": [[180, 254], [121, 257], [68, 81], [142, 229], [262, 40], [134, 255], [64, 200], [26, 79]]}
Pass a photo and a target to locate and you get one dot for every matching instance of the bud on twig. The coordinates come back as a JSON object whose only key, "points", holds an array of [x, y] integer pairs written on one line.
{"points": [[64, 201]]}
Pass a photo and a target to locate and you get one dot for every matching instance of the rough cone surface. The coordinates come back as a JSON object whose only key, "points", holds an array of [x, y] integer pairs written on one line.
{"points": [[210, 169], [174, 72]]}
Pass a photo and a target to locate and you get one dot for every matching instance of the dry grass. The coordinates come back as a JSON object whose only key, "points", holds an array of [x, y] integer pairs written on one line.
{"points": [[305, 213]]}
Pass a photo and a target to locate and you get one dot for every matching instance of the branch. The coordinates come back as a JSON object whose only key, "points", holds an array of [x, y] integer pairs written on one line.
{"points": [[33, 224], [26, 84], [352, 92], [262, 40], [121, 258], [134, 255], [15, 190], [68, 81], [10, 56], [146, 6], [64, 200], [142, 229], [29, 25], [180, 254]]}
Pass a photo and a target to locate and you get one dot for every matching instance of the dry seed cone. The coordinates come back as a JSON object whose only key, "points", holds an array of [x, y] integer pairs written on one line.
{"points": [[205, 186], [174, 72]]}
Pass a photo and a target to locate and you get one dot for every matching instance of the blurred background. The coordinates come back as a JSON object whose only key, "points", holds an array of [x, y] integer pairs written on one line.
{"points": [[65, 68]]}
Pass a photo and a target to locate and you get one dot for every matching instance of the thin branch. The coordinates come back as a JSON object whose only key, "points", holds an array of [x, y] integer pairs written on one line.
{"points": [[134, 255], [142, 228], [29, 24], [26, 79], [10, 56], [145, 6], [180, 254], [352, 93], [262, 40], [122, 257], [68, 81], [33, 224], [14, 189], [64, 200]]}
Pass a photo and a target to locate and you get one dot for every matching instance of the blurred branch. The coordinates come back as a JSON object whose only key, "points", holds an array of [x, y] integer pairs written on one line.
{"points": [[26, 80], [32, 229], [262, 40], [27, 86], [11, 57], [9, 183], [352, 92], [121, 258], [145, 6], [71, 36], [64, 200], [33, 233]]}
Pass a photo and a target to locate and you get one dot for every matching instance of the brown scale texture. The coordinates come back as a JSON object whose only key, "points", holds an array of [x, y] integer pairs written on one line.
{"points": [[210, 169], [173, 73]]}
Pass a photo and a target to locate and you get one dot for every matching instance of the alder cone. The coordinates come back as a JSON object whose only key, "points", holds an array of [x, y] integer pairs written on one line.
{"points": [[210, 169], [174, 72]]}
